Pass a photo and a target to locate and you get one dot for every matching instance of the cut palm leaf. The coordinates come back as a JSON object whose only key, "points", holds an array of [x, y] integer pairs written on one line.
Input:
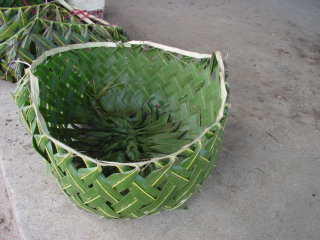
{"points": [[25, 32], [20, 3], [12, 19]]}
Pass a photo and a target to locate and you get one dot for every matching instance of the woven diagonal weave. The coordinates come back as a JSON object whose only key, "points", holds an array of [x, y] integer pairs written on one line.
{"points": [[27, 31], [13, 16], [52, 99]]}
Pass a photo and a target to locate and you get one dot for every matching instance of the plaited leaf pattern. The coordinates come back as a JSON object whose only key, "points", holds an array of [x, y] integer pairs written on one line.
{"points": [[27, 31], [58, 102]]}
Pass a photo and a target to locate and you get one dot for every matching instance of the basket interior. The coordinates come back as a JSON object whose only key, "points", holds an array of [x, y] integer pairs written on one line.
{"points": [[127, 104]]}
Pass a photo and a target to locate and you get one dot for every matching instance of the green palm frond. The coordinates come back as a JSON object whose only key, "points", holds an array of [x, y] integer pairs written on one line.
{"points": [[127, 129], [12, 19], [41, 35], [20, 3], [26, 32]]}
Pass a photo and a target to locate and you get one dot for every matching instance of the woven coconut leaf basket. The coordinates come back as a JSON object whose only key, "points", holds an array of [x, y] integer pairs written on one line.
{"points": [[128, 129], [26, 31]]}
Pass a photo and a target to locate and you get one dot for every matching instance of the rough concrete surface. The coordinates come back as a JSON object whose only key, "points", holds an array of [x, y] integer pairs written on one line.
{"points": [[8, 227], [266, 185]]}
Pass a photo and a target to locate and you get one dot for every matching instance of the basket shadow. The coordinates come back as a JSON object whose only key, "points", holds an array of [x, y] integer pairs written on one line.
{"points": [[222, 183]]}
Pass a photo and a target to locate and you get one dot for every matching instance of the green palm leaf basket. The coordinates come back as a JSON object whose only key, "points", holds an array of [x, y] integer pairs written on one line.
{"points": [[128, 129], [26, 31]]}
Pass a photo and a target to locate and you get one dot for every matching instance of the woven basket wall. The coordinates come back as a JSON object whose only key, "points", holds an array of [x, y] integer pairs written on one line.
{"points": [[52, 101]]}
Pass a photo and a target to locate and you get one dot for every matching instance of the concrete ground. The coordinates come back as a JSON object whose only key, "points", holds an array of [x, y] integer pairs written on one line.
{"points": [[267, 183], [8, 227]]}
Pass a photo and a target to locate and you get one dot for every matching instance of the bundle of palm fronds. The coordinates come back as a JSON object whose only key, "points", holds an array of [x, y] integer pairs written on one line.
{"points": [[28, 30], [21, 3], [127, 129]]}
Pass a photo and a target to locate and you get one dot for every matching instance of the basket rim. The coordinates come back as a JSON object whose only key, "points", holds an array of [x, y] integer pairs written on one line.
{"points": [[34, 92]]}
